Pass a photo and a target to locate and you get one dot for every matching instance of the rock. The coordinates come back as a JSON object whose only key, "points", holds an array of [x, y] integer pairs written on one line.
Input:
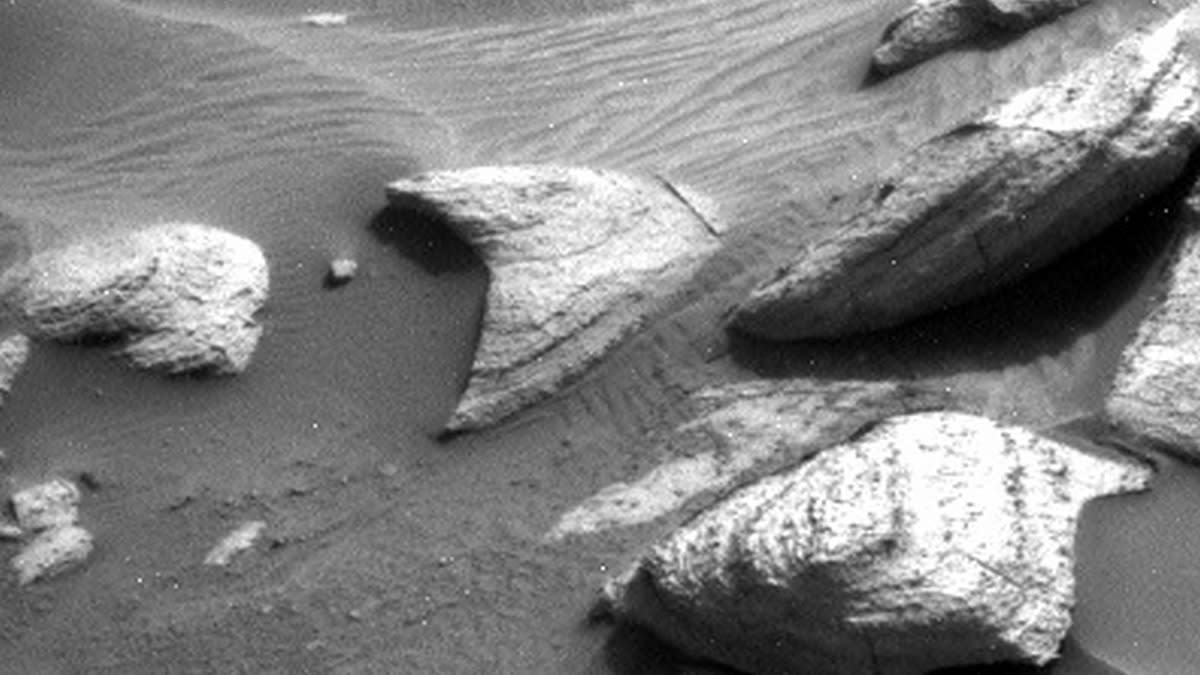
{"points": [[931, 27], [992, 201], [14, 352], [325, 19], [175, 298], [341, 272], [933, 540], [579, 258], [235, 542], [52, 552], [1155, 398], [47, 505], [741, 427]]}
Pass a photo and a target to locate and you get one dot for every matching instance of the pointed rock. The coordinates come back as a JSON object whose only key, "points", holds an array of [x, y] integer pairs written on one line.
{"points": [[990, 202], [175, 298], [578, 259], [743, 427], [933, 540], [931, 27]]}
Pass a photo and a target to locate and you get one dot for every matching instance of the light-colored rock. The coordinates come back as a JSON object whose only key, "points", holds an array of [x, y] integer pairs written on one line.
{"points": [[175, 298], [341, 272], [578, 259], [52, 552], [933, 540], [1155, 398], [235, 542], [47, 505], [743, 426], [930, 27], [14, 352], [325, 19], [990, 202]]}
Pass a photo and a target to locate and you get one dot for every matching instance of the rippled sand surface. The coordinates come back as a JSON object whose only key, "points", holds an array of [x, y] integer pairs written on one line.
{"points": [[386, 552]]}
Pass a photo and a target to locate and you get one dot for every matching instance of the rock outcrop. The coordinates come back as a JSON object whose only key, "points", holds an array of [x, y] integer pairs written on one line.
{"points": [[174, 298], [931, 27], [50, 512], [992, 201], [1155, 399], [578, 259], [933, 540], [743, 427]]}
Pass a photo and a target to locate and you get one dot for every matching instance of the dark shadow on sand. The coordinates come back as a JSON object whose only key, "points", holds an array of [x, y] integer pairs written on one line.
{"points": [[424, 238]]}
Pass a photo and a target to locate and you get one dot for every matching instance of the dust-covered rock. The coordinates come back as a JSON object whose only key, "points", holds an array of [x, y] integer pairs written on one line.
{"points": [[175, 298], [992, 201], [578, 257], [933, 540], [46, 505], [52, 552]]}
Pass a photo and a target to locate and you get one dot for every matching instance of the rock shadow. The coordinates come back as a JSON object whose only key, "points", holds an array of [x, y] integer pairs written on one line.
{"points": [[423, 237], [633, 650]]}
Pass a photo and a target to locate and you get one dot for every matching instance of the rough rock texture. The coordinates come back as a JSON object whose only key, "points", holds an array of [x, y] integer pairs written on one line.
{"points": [[175, 298], [46, 505], [1155, 398], [931, 27], [234, 543], [933, 540], [14, 351], [760, 424], [52, 552], [988, 203], [578, 259]]}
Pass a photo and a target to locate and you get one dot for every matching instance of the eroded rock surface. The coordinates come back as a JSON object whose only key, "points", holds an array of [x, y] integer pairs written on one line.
{"points": [[742, 426], [990, 202], [931, 27], [933, 540], [578, 259], [49, 511], [174, 298]]}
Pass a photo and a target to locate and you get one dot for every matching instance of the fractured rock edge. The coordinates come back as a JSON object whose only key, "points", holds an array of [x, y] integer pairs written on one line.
{"points": [[933, 540], [989, 203], [579, 258]]}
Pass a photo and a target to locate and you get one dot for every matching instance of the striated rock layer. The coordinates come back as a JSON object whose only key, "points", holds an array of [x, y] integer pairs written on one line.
{"points": [[743, 426], [933, 540], [931, 27], [578, 259], [175, 298], [990, 202]]}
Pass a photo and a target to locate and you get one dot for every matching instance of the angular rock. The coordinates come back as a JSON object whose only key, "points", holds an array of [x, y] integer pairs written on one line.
{"points": [[47, 505], [235, 542], [578, 259], [990, 202], [743, 427], [931, 27], [341, 272], [933, 540], [14, 352], [1155, 399], [175, 298], [52, 552]]}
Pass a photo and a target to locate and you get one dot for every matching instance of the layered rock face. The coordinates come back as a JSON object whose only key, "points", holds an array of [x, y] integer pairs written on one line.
{"points": [[1155, 398], [931, 27], [933, 540], [990, 202], [578, 259], [175, 298]]}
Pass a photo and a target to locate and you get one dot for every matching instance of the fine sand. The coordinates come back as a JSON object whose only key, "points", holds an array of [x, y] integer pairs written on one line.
{"points": [[384, 550]]}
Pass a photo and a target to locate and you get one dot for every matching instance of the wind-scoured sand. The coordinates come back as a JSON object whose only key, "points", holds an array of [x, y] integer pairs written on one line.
{"points": [[383, 550]]}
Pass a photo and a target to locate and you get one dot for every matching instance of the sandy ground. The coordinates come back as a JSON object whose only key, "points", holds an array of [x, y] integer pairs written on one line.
{"points": [[388, 552]]}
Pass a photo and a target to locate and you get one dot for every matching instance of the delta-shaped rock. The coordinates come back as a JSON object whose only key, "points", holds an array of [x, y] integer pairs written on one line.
{"points": [[990, 202], [933, 540], [578, 258], [174, 298]]}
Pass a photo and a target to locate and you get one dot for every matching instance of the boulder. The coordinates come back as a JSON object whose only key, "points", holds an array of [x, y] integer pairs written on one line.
{"points": [[174, 298], [50, 511], [46, 505], [579, 258], [933, 540], [1155, 398], [52, 552], [742, 427], [930, 27], [994, 200]]}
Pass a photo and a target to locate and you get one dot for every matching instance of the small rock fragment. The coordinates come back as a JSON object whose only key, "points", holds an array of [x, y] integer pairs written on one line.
{"points": [[52, 552], [237, 541], [10, 531], [14, 351], [341, 272], [325, 19], [47, 505], [933, 540]]}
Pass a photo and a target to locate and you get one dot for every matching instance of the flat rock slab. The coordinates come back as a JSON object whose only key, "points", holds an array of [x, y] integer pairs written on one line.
{"points": [[992, 201], [933, 540], [931, 27], [1155, 399], [174, 298], [741, 427], [579, 258]]}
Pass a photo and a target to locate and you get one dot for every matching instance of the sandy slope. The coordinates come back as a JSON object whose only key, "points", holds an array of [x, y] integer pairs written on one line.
{"points": [[390, 553]]}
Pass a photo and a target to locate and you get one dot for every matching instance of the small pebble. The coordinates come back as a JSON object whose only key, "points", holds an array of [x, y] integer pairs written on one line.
{"points": [[341, 272]]}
